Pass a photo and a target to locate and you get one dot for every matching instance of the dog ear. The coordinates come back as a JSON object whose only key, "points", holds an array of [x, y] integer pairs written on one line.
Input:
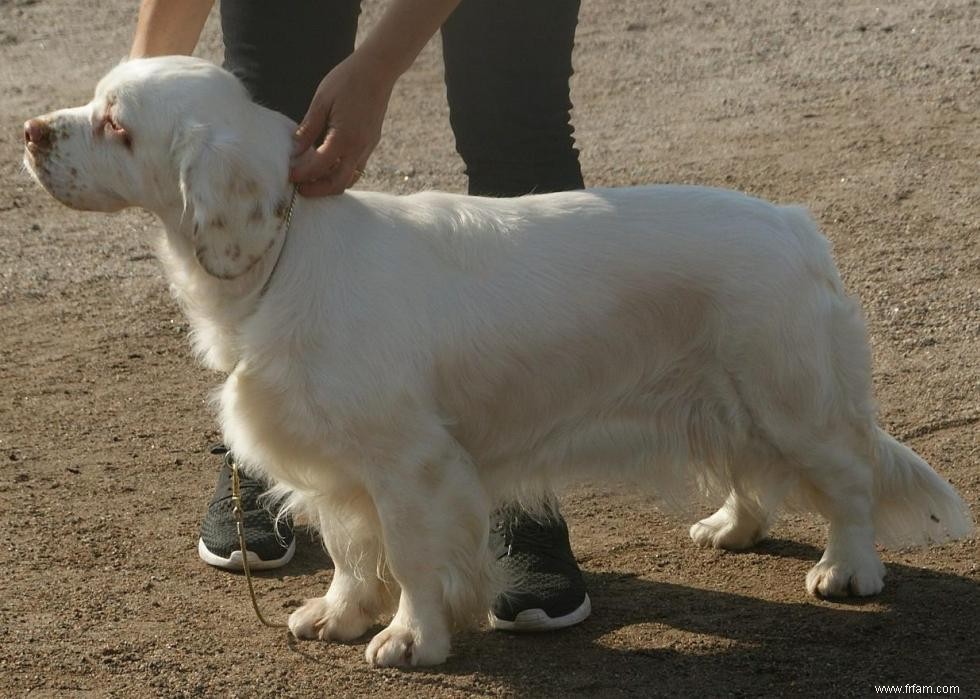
{"points": [[236, 209]]}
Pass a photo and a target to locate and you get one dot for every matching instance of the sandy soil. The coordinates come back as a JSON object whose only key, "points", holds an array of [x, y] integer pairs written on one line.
{"points": [[864, 111]]}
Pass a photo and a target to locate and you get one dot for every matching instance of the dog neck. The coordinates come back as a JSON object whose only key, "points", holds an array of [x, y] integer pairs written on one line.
{"points": [[217, 308]]}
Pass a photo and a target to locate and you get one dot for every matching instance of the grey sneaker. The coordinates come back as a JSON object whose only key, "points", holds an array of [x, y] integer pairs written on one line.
{"points": [[551, 592], [268, 546]]}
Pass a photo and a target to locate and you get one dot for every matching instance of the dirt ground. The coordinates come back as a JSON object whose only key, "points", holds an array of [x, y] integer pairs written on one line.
{"points": [[867, 112]]}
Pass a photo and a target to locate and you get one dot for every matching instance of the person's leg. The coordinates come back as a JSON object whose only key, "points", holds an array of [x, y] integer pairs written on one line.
{"points": [[508, 63], [281, 50]]}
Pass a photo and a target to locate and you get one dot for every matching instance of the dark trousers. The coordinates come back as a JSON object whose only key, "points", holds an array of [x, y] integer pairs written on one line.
{"points": [[508, 63]]}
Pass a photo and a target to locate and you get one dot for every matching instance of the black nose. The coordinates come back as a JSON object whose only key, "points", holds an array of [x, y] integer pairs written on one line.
{"points": [[37, 134]]}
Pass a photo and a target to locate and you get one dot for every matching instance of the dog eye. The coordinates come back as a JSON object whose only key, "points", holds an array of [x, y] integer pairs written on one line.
{"points": [[113, 127], [111, 123]]}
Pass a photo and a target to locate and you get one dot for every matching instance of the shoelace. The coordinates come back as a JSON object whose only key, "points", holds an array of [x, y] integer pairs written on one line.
{"points": [[250, 489], [523, 533]]}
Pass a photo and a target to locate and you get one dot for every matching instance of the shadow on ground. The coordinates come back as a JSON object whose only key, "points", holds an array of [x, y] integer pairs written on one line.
{"points": [[639, 639]]}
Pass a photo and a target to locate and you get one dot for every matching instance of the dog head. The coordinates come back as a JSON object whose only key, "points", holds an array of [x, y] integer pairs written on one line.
{"points": [[180, 137]]}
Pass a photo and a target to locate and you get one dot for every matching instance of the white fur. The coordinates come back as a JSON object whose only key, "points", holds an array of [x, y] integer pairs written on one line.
{"points": [[416, 360]]}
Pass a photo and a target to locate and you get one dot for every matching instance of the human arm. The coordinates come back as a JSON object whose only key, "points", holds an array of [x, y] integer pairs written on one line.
{"points": [[166, 27], [351, 101]]}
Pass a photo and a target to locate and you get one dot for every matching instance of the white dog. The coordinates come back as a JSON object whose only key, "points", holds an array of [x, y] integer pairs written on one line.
{"points": [[402, 364]]}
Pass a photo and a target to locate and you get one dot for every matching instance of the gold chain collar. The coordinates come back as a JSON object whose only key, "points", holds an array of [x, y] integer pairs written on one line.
{"points": [[283, 230]]}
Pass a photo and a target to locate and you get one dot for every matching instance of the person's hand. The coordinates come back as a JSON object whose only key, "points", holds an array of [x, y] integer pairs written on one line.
{"points": [[347, 110]]}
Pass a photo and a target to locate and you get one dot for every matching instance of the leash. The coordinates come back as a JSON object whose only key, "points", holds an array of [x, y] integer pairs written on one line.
{"points": [[239, 520], [236, 498]]}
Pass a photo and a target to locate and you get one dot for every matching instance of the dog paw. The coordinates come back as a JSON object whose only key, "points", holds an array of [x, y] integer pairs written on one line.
{"points": [[842, 579], [398, 646], [721, 532], [322, 619]]}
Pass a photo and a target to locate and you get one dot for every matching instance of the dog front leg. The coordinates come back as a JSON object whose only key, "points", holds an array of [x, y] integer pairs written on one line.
{"points": [[360, 591], [434, 517]]}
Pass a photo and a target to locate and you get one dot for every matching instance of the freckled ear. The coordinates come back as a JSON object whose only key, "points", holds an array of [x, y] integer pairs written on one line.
{"points": [[234, 222]]}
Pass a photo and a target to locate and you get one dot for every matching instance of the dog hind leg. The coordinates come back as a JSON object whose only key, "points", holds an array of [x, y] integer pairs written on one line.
{"points": [[842, 490], [738, 524]]}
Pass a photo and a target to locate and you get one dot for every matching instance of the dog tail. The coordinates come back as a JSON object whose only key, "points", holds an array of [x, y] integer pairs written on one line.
{"points": [[914, 506]]}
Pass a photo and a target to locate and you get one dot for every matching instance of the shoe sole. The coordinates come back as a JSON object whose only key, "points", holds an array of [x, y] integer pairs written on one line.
{"points": [[234, 561], [532, 620]]}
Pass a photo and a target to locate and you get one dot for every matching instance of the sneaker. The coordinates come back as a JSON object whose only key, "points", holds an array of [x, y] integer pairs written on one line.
{"points": [[551, 592], [268, 546]]}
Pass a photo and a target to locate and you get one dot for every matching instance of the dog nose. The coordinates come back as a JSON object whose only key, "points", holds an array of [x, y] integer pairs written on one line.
{"points": [[37, 133]]}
